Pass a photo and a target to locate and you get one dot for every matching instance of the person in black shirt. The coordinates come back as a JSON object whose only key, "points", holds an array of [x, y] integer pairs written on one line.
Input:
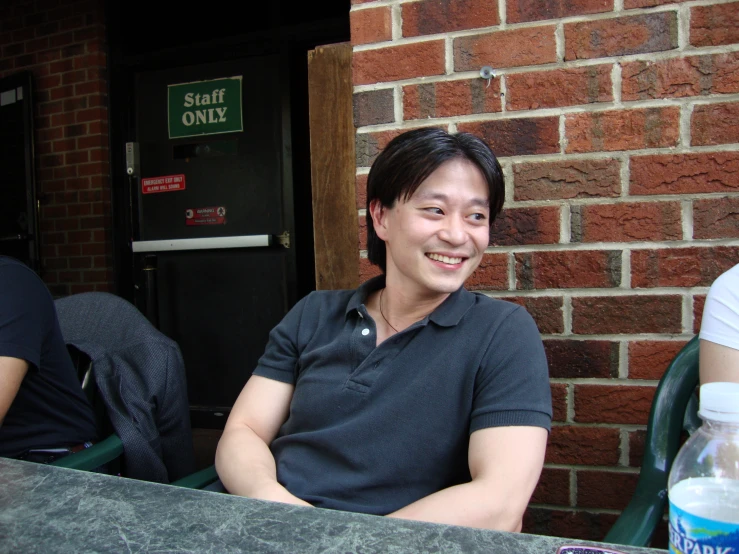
{"points": [[42, 405]]}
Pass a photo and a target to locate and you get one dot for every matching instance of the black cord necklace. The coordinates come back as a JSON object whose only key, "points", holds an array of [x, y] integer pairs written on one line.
{"points": [[383, 315]]}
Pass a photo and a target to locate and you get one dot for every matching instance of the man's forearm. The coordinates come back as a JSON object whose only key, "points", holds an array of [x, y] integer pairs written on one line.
{"points": [[246, 467], [471, 504]]}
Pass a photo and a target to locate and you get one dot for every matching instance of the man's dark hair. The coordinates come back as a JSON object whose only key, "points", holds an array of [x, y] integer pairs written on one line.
{"points": [[410, 158]]}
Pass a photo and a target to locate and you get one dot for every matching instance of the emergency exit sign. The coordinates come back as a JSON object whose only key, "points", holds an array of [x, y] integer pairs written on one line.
{"points": [[204, 107]]}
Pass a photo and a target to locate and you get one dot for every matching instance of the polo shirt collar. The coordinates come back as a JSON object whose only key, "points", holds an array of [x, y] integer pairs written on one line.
{"points": [[448, 314]]}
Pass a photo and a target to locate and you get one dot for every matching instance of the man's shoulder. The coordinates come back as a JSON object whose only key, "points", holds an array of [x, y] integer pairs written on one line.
{"points": [[486, 306]]}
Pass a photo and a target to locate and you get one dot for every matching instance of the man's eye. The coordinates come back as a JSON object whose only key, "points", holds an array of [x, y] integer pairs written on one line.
{"points": [[479, 217], [434, 211]]}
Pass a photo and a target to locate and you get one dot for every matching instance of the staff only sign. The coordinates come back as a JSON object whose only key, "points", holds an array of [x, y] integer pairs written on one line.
{"points": [[205, 107]]}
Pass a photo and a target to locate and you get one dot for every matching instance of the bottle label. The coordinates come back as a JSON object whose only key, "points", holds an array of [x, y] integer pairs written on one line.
{"points": [[692, 534]]}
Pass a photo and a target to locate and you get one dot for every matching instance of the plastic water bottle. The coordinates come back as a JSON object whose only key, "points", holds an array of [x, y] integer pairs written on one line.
{"points": [[704, 480]]}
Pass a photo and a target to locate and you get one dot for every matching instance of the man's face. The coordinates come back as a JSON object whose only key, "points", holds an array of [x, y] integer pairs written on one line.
{"points": [[436, 239]]}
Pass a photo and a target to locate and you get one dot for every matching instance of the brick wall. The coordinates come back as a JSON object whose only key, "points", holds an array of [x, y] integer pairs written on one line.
{"points": [[63, 44], [616, 124]]}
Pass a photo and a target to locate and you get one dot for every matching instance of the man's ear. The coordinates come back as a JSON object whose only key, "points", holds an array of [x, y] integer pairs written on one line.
{"points": [[379, 217]]}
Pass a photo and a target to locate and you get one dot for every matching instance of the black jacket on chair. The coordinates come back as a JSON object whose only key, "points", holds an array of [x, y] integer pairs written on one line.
{"points": [[140, 374]]}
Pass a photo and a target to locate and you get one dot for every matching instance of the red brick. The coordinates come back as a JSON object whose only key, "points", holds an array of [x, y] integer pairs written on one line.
{"points": [[568, 269], [681, 77], [567, 179], [94, 141], [626, 314], [684, 173], [70, 276], [91, 114], [518, 11], [372, 25], [450, 98], [79, 209], [622, 129], [583, 446], [70, 224], [361, 187], [95, 276], [714, 24], [98, 127], [581, 358], [515, 226], [636, 447], [626, 222], [561, 87], [559, 401], [369, 145], [491, 274], [48, 56], [79, 237], [649, 359], [90, 87], [681, 267], [96, 168], [613, 404], [63, 145], [49, 81], [50, 108], [74, 104], [546, 311], [716, 218], [53, 212], [72, 77], [429, 17], [75, 130], [394, 63], [621, 36], [510, 48], [68, 250], [570, 524], [631, 4], [373, 107], [605, 489], [60, 119], [699, 301], [65, 172], [71, 158], [60, 40], [553, 487], [518, 137], [715, 124], [57, 93], [367, 270]]}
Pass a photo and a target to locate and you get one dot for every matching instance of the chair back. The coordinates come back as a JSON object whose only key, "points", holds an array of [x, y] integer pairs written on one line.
{"points": [[674, 410]]}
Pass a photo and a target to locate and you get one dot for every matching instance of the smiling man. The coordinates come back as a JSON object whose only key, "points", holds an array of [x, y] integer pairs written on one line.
{"points": [[409, 397]]}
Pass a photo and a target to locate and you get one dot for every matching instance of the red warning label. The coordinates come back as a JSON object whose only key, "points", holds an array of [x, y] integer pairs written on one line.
{"points": [[206, 216], [166, 183]]}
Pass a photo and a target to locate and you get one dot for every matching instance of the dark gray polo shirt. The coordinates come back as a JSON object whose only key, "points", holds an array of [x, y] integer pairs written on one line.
{"points": [[374, 428]]}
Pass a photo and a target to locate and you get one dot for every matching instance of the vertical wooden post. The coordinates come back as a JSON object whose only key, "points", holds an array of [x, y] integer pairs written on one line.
{"points": [[333, 166]]}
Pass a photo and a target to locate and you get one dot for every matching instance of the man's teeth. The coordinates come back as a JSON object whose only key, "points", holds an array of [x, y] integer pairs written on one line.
{"points": [[445, 259]]}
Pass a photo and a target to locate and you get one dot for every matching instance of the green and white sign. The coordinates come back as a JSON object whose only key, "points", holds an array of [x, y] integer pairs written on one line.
{"points": [[205, 107]]}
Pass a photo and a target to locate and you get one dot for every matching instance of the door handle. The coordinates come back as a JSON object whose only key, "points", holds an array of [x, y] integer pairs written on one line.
{"points": [[211, 243]]}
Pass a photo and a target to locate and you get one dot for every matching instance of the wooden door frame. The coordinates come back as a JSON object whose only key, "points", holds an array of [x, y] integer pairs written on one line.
{"points": [[333, 167]]}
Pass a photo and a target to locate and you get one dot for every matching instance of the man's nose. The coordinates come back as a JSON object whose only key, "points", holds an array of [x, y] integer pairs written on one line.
{"points": [[453, 231]]}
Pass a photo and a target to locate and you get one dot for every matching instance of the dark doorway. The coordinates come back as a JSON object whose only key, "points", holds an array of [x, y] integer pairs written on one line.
{"points": [[218, 303], [18, 221]]}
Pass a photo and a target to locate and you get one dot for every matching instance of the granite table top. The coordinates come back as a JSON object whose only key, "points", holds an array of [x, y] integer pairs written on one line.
{"points": [[52, 509]]}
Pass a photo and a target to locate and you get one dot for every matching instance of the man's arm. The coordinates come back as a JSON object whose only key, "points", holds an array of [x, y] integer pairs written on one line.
{"points": [[505, 464], [244, 461], [718, 363], [12, 372]]}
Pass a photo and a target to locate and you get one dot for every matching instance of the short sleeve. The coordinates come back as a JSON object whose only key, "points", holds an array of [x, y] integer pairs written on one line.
{"points": [[281, 356], [720, 322], [25, 306], [512, 386]]}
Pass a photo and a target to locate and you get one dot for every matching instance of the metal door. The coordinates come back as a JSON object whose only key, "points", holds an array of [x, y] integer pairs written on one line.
{"points": [[215, 219]]}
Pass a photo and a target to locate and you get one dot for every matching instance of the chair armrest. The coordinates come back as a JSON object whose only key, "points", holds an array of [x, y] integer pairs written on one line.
{"points": [[199, 479], [90, 458]]}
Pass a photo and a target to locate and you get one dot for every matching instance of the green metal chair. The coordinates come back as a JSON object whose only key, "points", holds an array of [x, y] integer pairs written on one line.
{"points": [[674, 410], [198, 480]]}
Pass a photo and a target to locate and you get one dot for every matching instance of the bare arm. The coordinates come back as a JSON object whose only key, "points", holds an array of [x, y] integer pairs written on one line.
{"points": [[244, 461], [718, 363], [12, 372], [505, 464]]}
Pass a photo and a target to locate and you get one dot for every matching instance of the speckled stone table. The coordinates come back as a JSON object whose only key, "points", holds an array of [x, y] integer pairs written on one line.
{"points": [[50, 509]]}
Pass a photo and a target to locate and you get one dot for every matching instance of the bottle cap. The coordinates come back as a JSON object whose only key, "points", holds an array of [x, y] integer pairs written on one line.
{"points": [[720, 402]]}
